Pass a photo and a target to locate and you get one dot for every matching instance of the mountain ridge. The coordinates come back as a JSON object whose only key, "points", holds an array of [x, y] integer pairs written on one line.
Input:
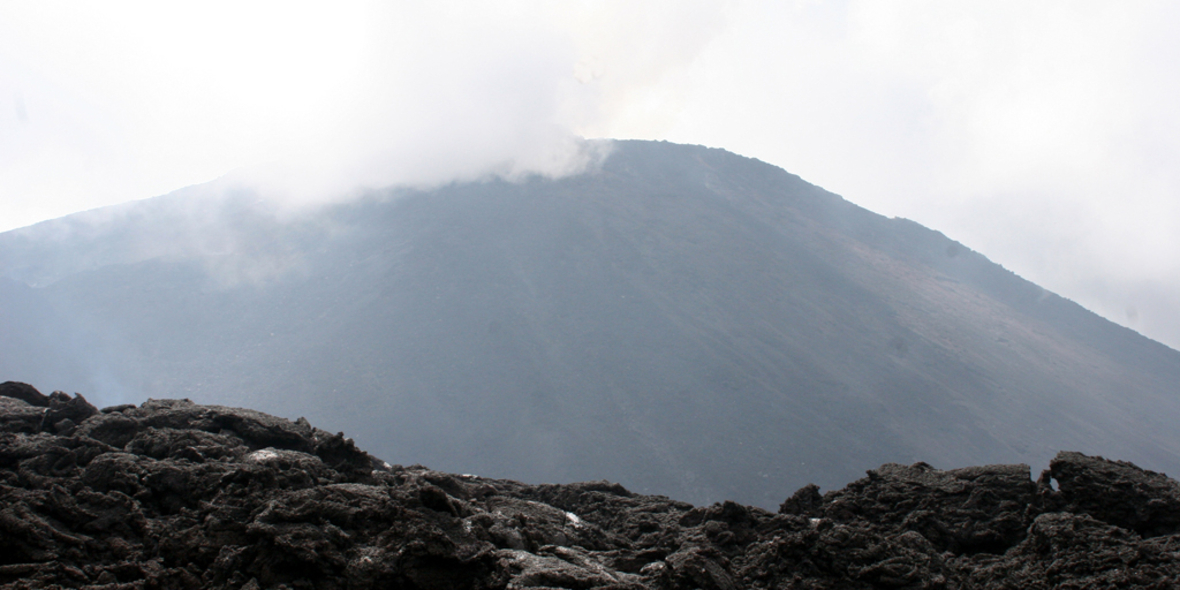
{"points": [[645, 322]]}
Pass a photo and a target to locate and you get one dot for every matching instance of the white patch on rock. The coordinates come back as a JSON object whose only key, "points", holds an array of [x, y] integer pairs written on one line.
{"points": [[573, 518], [262, 455]]}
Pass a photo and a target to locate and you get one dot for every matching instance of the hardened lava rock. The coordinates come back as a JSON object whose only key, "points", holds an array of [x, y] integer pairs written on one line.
{"points": [[171, 494]]}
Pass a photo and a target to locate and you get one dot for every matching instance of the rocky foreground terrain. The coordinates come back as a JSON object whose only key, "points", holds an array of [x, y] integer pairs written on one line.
{"points": [[171, 494]]}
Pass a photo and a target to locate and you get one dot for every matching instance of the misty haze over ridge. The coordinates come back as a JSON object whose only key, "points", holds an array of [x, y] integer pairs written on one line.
{"points": [[1042, 135], [683, 320]]}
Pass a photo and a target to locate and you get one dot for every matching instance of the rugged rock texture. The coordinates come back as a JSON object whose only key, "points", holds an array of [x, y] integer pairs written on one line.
{"points": [[171, 494]]}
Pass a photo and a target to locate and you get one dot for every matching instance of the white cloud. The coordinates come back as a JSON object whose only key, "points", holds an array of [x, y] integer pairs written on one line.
{"points": [[1038, 133], [1042, 134], [326, 98]]}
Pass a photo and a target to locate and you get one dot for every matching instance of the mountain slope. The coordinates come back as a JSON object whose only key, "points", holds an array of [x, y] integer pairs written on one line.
{"points": [[683, 320]]}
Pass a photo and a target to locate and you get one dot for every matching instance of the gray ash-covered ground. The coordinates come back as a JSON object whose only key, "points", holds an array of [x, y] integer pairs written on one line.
{"points": [[171, 494]]}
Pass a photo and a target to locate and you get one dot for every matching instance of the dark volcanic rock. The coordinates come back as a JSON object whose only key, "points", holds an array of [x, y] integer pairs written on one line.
{"points": [[171, 494], [24, 392], [1118, 493], [971, 510]]}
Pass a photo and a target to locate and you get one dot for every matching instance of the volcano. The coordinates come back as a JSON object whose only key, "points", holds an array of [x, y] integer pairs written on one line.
{"points": [[679, 319]]}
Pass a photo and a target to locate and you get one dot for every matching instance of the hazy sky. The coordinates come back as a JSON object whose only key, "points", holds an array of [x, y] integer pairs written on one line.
{"points": [[1044, 134]]}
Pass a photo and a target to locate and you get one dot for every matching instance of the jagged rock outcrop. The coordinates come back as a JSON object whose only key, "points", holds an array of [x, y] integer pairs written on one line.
{"points": [[171, 494]]}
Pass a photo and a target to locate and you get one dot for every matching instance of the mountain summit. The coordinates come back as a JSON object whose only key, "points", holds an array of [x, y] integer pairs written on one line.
{"points": [[682, 320]]}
